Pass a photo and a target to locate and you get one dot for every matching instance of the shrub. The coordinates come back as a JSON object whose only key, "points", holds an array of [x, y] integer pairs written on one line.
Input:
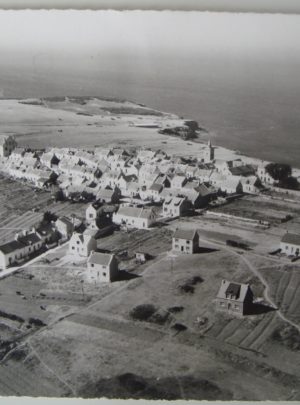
{"points": [[175, 309], [142, 312], [279, 171], [179, 327], [36, 322]]}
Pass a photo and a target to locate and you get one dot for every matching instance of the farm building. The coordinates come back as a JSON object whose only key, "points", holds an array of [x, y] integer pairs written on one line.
{"points": [[102, 267], [7, 145], [290, 244], [234, 298], [81, 245], [185, 241]]}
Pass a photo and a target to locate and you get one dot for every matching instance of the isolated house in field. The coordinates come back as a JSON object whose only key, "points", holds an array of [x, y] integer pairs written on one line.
{"points": [[135, 217], [81, 245], [234, 298], [290, 244], [185, 241], [175, 206], [102, 267], [65, 227], [7, 145]]}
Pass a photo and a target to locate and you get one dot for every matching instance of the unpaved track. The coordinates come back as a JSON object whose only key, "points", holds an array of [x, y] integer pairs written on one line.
{"points": [[256, 272]]}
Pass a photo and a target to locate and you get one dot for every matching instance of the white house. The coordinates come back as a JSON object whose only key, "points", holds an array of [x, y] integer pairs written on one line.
{"points": [[175, 206], [16, 251], [290, 244], [81, 245], [263, 174], [135, 217], [10, 253], [185, 241], [102, 267], [251, 185], [92, 212], [65, 227]]}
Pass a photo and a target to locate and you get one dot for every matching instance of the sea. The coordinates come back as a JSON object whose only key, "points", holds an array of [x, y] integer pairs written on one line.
{"points": [[247, 104]]}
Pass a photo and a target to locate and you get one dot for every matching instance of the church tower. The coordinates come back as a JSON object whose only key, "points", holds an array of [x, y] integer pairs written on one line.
{"points": [[209, 153]]}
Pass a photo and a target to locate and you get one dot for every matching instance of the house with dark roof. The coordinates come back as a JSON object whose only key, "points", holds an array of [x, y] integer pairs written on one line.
{"points": [[290, 244], [11, 253], [234, 298], [102, 267], [185, 241], [31, 240], [25, 244]]}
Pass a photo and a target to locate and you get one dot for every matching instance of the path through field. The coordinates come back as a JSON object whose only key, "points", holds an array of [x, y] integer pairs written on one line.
{"points": [[256, 272]]}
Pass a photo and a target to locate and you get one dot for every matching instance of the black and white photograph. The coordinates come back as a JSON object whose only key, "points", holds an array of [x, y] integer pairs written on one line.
{"points": [[150, 205]]}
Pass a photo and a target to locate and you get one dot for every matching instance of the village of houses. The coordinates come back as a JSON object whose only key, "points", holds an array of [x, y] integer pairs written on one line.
{"points": [[130, 189]]}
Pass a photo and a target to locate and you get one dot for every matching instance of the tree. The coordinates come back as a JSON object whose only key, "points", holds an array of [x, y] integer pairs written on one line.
{"points": [[279, 171], [59, 195], [49, 217], [289, 183]]}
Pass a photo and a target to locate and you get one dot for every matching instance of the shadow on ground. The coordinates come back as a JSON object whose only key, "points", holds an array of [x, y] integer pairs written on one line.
{"points": [[206, 250], [133, 386], [258, 308], [124, 275]]}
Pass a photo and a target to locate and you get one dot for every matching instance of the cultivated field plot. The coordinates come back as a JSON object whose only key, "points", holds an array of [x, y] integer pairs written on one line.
{"points": [[221, 230], [206, 350], [154, 241], [260, 208], [22, 207]]}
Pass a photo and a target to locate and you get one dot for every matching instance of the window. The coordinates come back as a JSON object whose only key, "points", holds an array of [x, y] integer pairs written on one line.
{"points": [[104, 274], [91, 216], [73, 247], [222, 304], [188, 242], [77, 242], [92, 264]]}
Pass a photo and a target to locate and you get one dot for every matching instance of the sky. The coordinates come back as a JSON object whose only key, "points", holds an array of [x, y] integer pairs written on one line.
{"points": [[71, 32]]}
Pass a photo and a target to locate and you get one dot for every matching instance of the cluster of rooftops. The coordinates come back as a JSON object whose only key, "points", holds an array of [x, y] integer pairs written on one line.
{"points": [[137, 173]]}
